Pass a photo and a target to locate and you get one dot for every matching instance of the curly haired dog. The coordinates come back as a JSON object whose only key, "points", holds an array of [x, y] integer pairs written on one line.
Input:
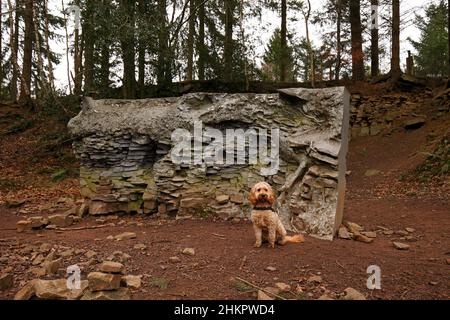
{"points": [[266, 223]]}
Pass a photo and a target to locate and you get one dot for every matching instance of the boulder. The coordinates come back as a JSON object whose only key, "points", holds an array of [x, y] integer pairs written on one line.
{"points": [[111, 267], [99, 281], [120, 294], [353, 294]]}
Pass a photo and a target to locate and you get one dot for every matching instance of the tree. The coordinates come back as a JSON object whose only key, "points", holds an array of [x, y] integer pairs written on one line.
{"points": [[25, 84], [395, 60], [201, 47], [190, 41], [374, 47], [432, 52], [357, 52], [127, 42], [89, 42], [272, 59], [283, 41], [228, 44]]}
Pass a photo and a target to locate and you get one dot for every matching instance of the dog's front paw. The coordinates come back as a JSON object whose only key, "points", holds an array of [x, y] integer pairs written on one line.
{"points": [[257, 245], [271, 245]]}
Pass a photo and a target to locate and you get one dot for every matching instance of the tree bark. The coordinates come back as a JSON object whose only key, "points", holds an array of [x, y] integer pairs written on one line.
{"points": [[228, 46], [283, 45], [128, 54], [164, 74], [338, 39], [395, 60], [312, 67], [51, 77], [374, 46], [78, 79], [88, 38], [357, 52], [105, 52], [25, 84], [41, 79], [190, 41], [201, 48], [1, 49], [141, 48], [67, 47], [14, 43]]}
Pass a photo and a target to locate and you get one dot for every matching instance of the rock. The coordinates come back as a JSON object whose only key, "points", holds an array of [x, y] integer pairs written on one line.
{"points": [[222, 199], [262, 296], [67, 253], [83, 210], [125, 236], [23, 225], [325, 297], [57, 289], [369, 234], [353, 227], [402, 233], [52, 267], [352, 294], [12, 203], [111, 267], [447, 261], [6, 281], [414, 123], [433, 283], [315, 279], [400, 246], [61, 220], [189, 251], [90, 254], [26, 292], [410, 230], [174, 259], [131, 281], [237, 198], [343, 233], [38, 222], [99, 281], [119, 256], [38, 272], [388, 232], [51, 290], [284, 287], [372, 172], [270, 268], [140, 246], [120, 294], [362, 238]]}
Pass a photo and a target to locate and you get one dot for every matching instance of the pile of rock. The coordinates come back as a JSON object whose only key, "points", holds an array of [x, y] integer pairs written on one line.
{"points": [[352, 231], [51, 222], [372, 115], [109, 283]]}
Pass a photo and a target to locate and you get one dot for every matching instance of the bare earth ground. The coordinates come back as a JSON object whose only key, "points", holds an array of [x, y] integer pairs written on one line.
{"points": [[224, 249]]}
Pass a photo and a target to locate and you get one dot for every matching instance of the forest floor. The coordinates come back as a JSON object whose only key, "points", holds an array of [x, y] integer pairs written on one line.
{"points": [[43, 173]]}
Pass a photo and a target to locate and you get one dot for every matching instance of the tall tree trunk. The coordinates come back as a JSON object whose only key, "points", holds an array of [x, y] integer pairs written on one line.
{"points": [[25, 84], [141, 48], [128, 54], [41, 79], [51, 77], [244, 47], [1, 49], [338, 39], [357, 52], [228, 47], [395, 60], [89, 41], [312, 67], [78, 79], [448, 36], [283, 46], [14, 44], [374, 46], [69, 81], [105, 51], [201, 48], [190, 41], [164, 74]]}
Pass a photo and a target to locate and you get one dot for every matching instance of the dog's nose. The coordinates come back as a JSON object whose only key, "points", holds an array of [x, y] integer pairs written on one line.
{"points": [[264, 195]]}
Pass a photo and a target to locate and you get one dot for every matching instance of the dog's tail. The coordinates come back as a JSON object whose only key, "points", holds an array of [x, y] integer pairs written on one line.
{"points": [[298, 238]]}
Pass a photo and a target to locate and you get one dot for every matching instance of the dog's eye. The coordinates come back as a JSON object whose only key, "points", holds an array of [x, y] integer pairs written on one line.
{"points": [[259, 190]]}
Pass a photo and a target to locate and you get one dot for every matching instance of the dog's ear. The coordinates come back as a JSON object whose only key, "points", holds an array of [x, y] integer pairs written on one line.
{"points": [[272, 195], [252, 196]]}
